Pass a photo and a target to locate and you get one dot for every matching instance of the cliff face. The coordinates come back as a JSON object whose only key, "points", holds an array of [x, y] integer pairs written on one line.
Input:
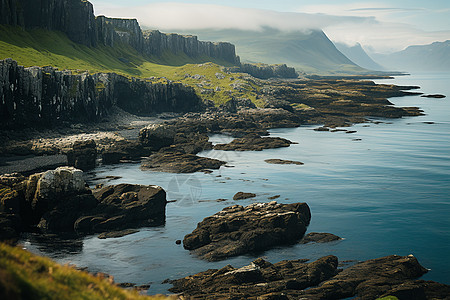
{"points": [[44, 96], [265, 71], [73, 17], [157, 43], [76, 19]]}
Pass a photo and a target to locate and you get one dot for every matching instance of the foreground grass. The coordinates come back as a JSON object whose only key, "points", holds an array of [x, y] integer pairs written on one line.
{"points": [[40, 47], [27, 276]]}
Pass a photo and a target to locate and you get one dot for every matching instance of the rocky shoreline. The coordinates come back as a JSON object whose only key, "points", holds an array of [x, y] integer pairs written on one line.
{"points": [[58, 200]]}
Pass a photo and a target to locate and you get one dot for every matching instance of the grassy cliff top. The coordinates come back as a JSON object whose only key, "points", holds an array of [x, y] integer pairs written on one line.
{"points": [[27, 276], [41, 47]]}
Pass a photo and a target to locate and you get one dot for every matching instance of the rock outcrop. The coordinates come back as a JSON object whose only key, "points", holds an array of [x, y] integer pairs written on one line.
{"points": [[45, 96], [253, 142], [179, 162], [59, 201], [237, 230], [83, 155], [295, 279], [265, 71]]}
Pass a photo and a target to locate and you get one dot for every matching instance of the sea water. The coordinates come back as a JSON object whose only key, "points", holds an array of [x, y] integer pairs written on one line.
{"points": [[385, 189]]}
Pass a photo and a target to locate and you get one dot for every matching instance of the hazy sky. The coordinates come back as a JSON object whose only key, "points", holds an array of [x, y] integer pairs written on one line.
{"points": [[380, 26]]}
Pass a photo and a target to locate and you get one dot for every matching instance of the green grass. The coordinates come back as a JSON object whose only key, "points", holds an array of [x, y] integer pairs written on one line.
{"points": [[27, 276], [40, 47]]}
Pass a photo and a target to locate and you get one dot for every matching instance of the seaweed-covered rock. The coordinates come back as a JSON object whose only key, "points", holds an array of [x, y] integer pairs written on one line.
{"points": [[238, 230]]}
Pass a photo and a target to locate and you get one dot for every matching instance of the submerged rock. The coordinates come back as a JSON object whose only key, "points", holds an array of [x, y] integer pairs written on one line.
{"points": [[436, 96], [295, 279], [238, 230]]}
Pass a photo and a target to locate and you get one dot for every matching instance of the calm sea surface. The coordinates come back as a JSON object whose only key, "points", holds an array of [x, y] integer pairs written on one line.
{"points": [[384, 189]]}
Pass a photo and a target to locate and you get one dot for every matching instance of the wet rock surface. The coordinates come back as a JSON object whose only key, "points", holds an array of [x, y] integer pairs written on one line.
{"points": [[319, 237], [178, 162], [436, 96], [238, 230], [321, 279], [254, 143], [283, 162], [243, 195]]}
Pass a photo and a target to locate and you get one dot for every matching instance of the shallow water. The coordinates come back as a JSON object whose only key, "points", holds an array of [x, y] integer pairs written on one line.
{"points": [[385, 189]]}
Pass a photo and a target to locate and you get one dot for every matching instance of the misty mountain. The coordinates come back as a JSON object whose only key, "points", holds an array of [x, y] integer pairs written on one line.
{"points": [[310, 52], [432, 57], [357, 55]]}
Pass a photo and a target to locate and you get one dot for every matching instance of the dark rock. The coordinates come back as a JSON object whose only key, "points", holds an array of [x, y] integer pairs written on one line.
{"points": [[322, 129], [46, 97], [283, 162], [116, 234], [254, 143], [259, 280], [238, 230], [295, 279], [264, 71], [242, 196], [157, 136], [10, 227], [370, 279], [124, 150], [178, 242], [274, 197], [83, 155], [317, 237], [178, 162], [125, 206], [437, 96]]}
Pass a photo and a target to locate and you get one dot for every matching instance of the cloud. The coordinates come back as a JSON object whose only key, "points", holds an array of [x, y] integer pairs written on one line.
{"points": [[172, 16], [349, 24]]}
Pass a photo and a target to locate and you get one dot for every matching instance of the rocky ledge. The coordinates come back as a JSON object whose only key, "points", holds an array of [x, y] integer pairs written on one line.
{"points": [[277, 161], [238, 230], [295, 279], [252, 142], [59, 201], [178, 162]]}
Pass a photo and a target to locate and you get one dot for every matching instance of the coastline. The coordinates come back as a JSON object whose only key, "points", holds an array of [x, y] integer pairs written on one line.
{"points": [[317, 133]]}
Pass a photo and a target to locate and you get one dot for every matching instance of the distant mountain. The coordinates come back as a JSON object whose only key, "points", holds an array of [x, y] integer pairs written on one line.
{"points": [[432, 57], [310, 52], [359, 56]]}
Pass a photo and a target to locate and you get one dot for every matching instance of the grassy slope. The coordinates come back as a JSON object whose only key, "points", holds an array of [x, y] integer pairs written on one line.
{"points": [[42, 48], [27, 276]]}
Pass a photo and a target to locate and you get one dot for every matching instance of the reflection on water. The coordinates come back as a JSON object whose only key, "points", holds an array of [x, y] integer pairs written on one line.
{"points": [[385, 189]]}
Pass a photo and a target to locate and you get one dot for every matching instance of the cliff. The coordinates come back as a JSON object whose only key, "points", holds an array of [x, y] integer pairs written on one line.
{"points": [[76, 19], [265, 71], [47, 97]]}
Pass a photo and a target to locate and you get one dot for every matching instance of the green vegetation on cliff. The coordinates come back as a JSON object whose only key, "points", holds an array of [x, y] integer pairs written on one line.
{"points": [[41, 47], [27, 276]]}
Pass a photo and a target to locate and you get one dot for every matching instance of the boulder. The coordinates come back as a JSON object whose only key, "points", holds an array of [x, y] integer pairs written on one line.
{"points": [[242, 196], [239, 230], [83, 155], [10, 227], [157, 136], [124, 206]]}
